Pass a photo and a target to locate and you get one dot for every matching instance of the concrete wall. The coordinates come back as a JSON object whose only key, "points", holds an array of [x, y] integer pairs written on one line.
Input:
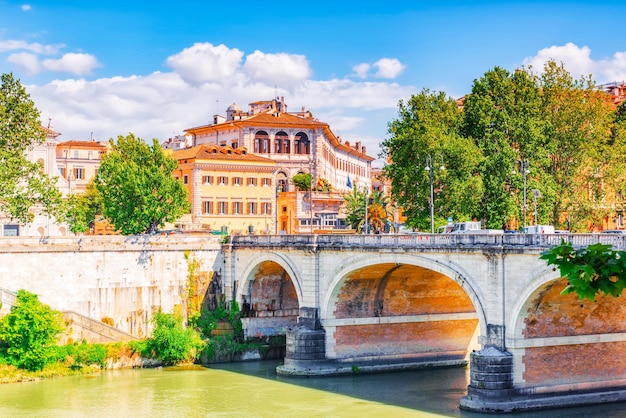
{"points": [[121, 280]]}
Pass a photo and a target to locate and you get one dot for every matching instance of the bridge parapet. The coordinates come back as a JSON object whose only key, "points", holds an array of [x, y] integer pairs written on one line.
{"points": [[427, 240]]}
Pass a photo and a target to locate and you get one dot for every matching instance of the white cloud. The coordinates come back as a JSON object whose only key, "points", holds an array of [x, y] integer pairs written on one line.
{"points": [[72, 63], [389, 68], [26, 7], [360, 70], [578, 62], [277, 69], [12, 45], [26, 62], [206, 63], [205, 80]]}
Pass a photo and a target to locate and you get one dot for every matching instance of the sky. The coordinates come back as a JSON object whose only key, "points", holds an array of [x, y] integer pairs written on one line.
{"points": [[103, 69]]}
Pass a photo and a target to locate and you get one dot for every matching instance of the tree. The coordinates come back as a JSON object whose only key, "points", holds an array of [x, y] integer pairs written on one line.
{"points": [[577, 122], [137, 189], [83, 209], [379, 216], [303, 181], [428, 126], [354, 208], [502, 117], [30, 332], [23, 184]]}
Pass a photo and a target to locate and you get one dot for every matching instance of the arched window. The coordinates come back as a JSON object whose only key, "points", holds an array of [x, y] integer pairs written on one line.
{"points": [[282, 181], [281, 143], [302, 144], [261, 143]]}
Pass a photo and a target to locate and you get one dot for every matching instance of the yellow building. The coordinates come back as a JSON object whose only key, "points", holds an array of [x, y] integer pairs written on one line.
{"points": [[230, 190]]}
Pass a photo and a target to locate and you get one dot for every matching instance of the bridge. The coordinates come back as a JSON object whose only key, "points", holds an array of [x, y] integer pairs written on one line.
{"points": [[364, 303]]}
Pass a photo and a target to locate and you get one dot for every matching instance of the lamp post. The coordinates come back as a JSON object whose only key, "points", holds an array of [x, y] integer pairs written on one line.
{"points": [[311, 168], [366, 201], [431, 175], [525, 168]]}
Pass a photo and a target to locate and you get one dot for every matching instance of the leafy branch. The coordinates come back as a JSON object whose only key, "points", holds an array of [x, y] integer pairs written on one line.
{"points": [[589, 270]]}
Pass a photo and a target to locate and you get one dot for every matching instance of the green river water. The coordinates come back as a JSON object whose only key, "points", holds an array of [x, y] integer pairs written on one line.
{"points": [[252, 389]]}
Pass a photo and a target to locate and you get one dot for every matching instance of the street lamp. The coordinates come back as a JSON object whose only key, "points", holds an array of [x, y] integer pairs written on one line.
{"points": [[431, 174], [312, 167], [366, 198], [525, 169]]}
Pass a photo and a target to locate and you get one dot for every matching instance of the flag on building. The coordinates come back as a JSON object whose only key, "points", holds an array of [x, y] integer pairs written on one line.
{"points": [[349, 183]]}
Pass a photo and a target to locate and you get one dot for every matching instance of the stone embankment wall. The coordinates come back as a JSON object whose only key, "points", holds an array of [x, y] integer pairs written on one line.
{"points": [[119, 280]]}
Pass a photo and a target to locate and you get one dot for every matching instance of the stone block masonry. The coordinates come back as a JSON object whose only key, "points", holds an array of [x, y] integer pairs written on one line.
{"points": [[122, 280]]}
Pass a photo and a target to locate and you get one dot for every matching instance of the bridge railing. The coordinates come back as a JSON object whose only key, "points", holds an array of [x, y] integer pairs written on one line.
{"points": [[430, 240]]}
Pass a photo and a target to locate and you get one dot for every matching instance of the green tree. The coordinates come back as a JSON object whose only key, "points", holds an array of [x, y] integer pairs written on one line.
{"points": [[137, 189], [303, 181], [171, 342], [30, 332], [354, 208], [23, 184], [577, 123], [428, 128], [502, 115], [83, 209]]}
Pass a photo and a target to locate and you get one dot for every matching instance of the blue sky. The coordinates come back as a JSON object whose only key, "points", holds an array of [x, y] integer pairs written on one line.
{"points": [[101, 69]]}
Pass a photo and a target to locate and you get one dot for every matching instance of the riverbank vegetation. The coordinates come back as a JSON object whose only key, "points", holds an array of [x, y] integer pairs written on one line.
{"points": [[29, 349]]}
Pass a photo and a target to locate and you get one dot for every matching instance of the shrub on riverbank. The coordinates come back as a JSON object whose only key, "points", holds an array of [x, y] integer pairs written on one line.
{"points": [[170, 342], [29, 333]]}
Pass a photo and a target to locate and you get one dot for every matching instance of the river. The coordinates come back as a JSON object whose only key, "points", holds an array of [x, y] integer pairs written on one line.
{"points": [[252, 389]]}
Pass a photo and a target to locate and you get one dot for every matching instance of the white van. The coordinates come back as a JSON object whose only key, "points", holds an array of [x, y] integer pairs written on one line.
{"points": [[539, 229], [465, 228]]}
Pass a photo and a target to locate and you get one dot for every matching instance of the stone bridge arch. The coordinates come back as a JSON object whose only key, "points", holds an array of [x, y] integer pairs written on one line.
{"points": [[562, 344], [452, 270], [430, 310], [270, 294]]}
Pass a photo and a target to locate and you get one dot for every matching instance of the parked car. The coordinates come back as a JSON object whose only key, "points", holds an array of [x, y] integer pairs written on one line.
{"points": [[539, 229], [613, 231]]}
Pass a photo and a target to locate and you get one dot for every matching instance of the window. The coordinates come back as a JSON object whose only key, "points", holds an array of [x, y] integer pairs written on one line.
{"points": [[62, 172], [266, 208], [237, 208], [222, 208], [266, 181], [207, 207], [222, 180], [302, 144], [237, 181], [251, 181], [252, 208], [75, 153], [79, 173], [207, 179], [11, 230], [185, 179], [261, 142]]}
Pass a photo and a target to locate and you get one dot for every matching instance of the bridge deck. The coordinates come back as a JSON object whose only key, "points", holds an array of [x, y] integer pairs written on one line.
{"points": [[428, 240]]}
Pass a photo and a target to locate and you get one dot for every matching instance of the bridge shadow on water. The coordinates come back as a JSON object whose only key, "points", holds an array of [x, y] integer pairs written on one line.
{"points": [[433, 391]]}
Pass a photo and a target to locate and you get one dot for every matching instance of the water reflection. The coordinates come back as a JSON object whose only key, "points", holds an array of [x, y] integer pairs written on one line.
{"points": [[253, 390], [434, 391]]}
